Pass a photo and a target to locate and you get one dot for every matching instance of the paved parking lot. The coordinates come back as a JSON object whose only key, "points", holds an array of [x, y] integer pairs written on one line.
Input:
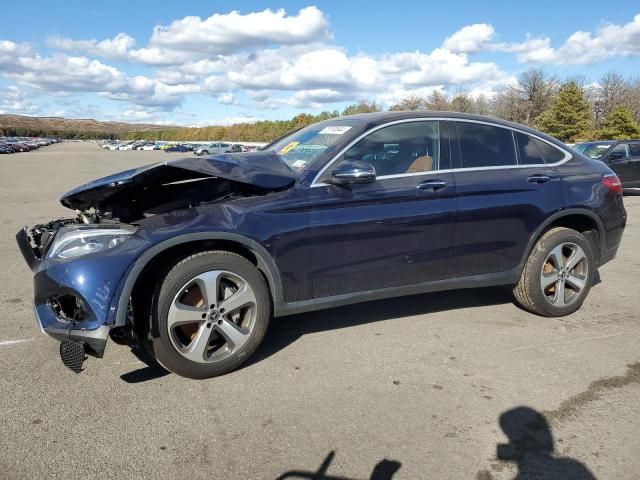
{"points": [[422, 387]]}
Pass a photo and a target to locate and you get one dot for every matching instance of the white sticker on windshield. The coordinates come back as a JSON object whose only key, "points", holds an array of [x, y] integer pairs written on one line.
{"points": [[334, 130], [603, 146]]}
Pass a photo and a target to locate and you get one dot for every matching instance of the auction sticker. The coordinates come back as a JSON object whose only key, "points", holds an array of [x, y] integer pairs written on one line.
{"points": [[288, 148], [335, 130]]}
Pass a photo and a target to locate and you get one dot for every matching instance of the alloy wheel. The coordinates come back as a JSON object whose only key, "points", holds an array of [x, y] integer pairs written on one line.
{"points": [[212, 316], [564, 274]]}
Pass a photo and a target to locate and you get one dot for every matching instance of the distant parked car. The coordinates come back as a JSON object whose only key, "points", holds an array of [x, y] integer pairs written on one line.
{"points": [[177, 148], [213, 149], [6, 148], [235, 149], [622, 156]]}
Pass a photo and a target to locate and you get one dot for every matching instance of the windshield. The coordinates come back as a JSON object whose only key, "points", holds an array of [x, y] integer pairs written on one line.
{"points": [[593, 150], [300, 148]]}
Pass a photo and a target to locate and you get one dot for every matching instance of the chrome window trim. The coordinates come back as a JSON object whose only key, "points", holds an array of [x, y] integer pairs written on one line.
{"points": [[567, 154]]}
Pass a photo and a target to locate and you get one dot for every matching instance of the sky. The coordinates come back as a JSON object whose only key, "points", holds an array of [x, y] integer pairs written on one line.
{"points": [[201, 63]]}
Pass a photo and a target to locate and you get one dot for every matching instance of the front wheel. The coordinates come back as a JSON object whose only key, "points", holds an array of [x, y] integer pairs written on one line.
{"points": [[558, 274], [210, 314]]}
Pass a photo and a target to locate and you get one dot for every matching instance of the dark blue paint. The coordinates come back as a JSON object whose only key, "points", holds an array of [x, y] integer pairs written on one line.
{"points": [[327, 241]]}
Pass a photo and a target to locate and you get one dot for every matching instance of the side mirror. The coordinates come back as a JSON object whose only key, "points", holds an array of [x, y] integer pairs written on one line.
{"points": [[353, 172]]}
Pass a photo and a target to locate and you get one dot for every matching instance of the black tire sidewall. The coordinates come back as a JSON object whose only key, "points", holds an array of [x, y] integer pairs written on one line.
{"points": [[537, 261], [182, 273]]}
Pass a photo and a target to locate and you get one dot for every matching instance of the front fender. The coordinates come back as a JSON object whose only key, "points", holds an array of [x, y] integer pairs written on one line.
{"points": [[266, 264]]}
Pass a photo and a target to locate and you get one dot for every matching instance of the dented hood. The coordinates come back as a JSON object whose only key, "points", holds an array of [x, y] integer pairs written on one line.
{"points": [[261, 170]]}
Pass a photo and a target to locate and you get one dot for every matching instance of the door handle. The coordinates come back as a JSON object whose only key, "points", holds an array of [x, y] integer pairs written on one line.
{"points": [[432, 185], [538, 178]]}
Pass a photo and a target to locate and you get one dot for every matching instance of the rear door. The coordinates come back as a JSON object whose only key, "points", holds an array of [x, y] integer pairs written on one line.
{"points": [[634, 153], [620, 161], [507, 186], [392, 232]]}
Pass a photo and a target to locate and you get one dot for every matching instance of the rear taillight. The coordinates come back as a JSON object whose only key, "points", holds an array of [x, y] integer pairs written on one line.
{"points": [[612, 182]]}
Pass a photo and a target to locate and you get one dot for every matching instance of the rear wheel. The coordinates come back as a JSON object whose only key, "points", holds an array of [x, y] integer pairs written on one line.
{"points": [[558, 274], [210, 314]]}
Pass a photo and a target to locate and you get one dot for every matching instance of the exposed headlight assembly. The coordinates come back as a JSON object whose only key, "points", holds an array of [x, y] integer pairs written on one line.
{"points": [[75, 243]]}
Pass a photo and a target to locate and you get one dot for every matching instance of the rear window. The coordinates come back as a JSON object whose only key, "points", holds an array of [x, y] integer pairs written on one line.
{"points": [[533, 151], [634, 148], [485, 145]]}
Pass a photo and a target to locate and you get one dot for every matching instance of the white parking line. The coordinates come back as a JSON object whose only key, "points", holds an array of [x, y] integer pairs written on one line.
{"points": [[6, 343]]}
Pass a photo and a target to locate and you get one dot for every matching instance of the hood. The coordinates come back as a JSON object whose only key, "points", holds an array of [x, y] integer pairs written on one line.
{"points": [[262, 171]]}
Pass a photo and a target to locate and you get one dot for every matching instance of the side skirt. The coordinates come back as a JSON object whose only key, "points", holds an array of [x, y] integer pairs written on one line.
{"points": [[487, 280]]}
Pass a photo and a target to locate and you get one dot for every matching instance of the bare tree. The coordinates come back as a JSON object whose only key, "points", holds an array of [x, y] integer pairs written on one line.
{"points": [[412, 102], [462, 102], [483, 106], [438, 102], [609, 95], [538, 91], [632, 98], [509, 105]]}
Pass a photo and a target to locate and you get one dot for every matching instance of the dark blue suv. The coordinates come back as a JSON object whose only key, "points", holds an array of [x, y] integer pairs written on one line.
{"points": [[190, 259]]}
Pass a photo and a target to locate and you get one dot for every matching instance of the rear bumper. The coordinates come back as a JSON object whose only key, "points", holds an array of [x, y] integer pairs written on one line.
{"points": [[608, 254]]}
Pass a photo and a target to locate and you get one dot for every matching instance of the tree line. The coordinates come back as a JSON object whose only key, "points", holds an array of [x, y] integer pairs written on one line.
{"points": [[571, 110]]}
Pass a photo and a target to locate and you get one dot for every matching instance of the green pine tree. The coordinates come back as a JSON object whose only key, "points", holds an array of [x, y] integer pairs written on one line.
{"points": [[619, 125], [569, 116]]}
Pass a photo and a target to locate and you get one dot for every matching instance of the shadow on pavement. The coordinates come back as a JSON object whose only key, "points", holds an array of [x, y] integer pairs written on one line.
{"points": [[384, 470], [531, 448], [286, 330], [151, 371]]}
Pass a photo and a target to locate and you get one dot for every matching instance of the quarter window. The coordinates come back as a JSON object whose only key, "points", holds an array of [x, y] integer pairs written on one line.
{"points": [[532, 151], [485, 145], [410, 147]]}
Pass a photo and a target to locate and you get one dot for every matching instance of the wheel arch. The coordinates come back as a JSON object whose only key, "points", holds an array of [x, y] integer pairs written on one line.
{"points": [[244, 246], [579, 219]]}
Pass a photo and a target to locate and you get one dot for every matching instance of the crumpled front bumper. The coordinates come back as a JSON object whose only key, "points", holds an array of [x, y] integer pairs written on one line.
{"points": [[95, 340], [95, 280]]}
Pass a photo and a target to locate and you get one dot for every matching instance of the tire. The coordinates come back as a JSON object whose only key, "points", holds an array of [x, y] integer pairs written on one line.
{"points": [[192, 333], [204, 152], [555, 281]]}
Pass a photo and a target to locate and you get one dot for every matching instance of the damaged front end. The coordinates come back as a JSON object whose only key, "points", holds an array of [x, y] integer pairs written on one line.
{"points": [[81, 263]]}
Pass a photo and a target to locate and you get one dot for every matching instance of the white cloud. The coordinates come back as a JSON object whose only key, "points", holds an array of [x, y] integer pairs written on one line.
{"points": [[470, 39], [225, 33], [14, 100], [609, 41], [116, 48], [226, 98], [271, 59], [61, 73]]}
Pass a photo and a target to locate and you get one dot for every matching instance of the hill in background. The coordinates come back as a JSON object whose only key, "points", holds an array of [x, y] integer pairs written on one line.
{"points": [[20, 125]]}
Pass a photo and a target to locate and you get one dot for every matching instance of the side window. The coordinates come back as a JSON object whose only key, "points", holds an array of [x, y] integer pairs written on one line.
{"points": [[410, 147], [532, 151], [485, 145], [634, 149], [620, 151]]}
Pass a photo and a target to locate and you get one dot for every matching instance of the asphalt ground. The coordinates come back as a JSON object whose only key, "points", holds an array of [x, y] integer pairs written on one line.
{"points": [[421, 387]]}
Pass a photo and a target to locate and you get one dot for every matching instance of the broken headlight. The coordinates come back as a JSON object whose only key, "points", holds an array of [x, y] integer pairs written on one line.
{"points": [[75, 243]]}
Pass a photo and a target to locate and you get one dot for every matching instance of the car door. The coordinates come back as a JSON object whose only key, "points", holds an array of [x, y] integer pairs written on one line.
{"points": [[392, 232], [634, 153], [507, 185], [620, 161]]}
